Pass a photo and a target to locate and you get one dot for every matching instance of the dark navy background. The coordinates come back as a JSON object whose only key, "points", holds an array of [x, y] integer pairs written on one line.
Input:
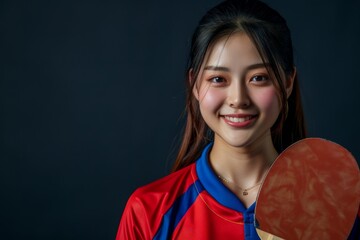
{"points": [[92, 96]]}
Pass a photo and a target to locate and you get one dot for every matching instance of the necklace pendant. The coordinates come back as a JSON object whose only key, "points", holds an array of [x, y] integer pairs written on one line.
{"points": [[245, 193]]}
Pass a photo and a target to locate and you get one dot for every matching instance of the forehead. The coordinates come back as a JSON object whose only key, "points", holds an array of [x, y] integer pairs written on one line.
{"points": [[236, 50]]}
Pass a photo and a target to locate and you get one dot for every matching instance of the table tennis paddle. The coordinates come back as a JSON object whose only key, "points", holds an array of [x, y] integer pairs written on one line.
{"points": [[312, 191]]}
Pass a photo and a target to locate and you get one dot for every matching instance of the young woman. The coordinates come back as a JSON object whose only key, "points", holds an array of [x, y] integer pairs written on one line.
{"points": [[243, 109]]}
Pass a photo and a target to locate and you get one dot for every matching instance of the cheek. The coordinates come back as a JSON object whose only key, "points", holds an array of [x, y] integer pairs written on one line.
{"points": [[210, 99], [268, 100]]}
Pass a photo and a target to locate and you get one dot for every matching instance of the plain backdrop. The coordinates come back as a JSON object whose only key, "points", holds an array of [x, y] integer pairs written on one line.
{"points": [[92, 100]]}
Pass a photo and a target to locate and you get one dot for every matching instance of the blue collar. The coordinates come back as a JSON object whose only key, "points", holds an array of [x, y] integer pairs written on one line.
{"points": [[214, 187]]}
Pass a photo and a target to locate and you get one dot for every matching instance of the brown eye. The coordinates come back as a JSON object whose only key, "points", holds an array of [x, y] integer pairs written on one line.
{"points": [[259, 78], [217, 80]]}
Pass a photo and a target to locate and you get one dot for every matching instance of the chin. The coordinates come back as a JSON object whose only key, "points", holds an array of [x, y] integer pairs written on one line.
{"points": [[236, 142]]}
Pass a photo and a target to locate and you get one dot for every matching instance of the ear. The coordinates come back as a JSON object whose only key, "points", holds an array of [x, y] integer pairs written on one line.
{"points": [[191, 80], [290, 83]]}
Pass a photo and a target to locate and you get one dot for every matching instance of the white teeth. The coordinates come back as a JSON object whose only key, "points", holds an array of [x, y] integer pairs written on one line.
{"points": [[235, 119]]}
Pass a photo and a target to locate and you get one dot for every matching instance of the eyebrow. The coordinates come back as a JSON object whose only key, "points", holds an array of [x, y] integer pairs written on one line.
{"points": [[225, 69]]}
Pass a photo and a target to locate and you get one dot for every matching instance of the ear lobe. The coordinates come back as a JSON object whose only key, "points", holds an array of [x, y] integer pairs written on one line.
{"points": [[191, 81], [290, 83]]}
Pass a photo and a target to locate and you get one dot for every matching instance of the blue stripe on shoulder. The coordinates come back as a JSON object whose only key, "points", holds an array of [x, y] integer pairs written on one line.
{"points": [[173, 216]]}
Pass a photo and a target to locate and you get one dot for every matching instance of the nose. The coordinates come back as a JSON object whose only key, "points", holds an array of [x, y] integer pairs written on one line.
{"points": [[238, 95]]}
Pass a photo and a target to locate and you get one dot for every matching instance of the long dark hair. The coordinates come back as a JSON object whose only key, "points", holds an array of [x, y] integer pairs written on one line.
{"points": [[269, 32]]}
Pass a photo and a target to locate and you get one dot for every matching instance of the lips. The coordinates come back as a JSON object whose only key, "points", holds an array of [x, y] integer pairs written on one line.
{"points": [[239, 120]]}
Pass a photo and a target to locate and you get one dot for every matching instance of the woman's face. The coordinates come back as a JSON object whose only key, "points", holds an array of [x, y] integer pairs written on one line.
{"points": [[236, 95]]}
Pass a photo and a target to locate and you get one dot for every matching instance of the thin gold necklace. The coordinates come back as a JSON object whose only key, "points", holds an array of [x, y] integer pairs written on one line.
{"points": [[245, 191]]}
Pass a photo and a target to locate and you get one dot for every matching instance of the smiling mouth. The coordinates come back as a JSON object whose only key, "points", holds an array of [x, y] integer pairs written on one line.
{"points": [[238, 119]]}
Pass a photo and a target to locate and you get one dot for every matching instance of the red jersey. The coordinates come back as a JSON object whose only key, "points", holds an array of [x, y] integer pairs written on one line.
{"points": [[189, 204]]}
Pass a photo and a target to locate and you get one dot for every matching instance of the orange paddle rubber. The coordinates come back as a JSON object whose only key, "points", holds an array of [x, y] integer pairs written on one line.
{"points": [[312, 191]]}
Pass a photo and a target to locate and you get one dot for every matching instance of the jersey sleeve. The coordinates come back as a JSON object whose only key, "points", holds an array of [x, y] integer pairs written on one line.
{"points": [[133, 223]]}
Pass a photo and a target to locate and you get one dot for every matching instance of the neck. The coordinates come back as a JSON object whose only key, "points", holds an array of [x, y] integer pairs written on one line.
{"points": [[244, 166]]}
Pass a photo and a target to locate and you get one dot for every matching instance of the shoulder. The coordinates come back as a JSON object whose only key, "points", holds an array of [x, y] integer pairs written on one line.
{"points": [[169, 186], [148, 204]]}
